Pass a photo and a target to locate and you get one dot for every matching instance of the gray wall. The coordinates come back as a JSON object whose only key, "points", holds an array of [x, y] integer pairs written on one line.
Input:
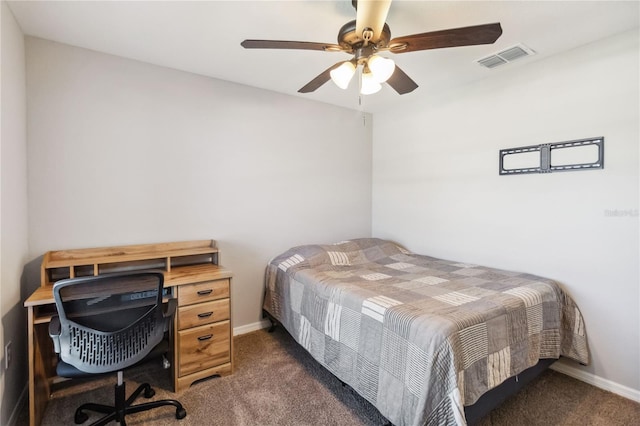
{"points": [[436, 187], [123, 152], [13, 212]]}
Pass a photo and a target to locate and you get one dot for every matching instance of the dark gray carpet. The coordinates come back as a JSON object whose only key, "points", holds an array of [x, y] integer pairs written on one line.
{"points": [[277, 383]]}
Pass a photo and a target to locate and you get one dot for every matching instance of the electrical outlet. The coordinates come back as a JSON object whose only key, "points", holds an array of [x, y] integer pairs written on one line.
{"points": [[7, 355]]}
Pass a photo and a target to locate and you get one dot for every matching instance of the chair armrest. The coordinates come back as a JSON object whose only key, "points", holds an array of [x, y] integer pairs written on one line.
{"points": [[54, 332], [170, 308]]}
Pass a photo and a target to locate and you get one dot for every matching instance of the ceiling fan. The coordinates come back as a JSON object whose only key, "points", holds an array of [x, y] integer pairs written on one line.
{"points": [[369, 35]]}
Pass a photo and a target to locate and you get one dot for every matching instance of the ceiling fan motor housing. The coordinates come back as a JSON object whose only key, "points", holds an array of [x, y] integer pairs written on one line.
{"points": [[350, 41]]}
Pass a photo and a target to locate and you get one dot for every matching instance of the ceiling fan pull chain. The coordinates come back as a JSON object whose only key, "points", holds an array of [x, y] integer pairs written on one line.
{"points": [[360, 70]]}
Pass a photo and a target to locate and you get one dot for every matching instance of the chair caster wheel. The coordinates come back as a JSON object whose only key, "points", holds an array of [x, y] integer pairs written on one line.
{"points": [[80, 417], [149, 393], [181, 413]]}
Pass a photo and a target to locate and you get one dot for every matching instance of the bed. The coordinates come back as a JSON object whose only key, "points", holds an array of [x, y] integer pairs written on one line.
{"points": [[420, 338]]}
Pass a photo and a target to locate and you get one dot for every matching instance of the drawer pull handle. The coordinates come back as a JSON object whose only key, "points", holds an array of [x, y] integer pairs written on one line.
{"points": [[205, 292], [205, 314], [205, 337]]}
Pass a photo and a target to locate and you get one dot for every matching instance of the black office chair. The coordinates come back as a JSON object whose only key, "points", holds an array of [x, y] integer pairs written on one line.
{"points": [[106, 323]]}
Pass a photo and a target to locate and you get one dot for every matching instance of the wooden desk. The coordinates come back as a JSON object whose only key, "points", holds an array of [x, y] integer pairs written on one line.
{"points": [[201, 335]]}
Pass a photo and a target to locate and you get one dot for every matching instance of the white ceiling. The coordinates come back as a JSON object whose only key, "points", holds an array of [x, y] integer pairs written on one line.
{"points": [[203, 37]]}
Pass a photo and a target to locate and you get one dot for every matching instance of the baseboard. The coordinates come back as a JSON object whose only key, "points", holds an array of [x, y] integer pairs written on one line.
{"points": [[597, 381], [244, 329]]}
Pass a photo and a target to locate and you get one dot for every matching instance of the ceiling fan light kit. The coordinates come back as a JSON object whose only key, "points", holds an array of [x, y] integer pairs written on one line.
{"points": [[368, 35], [375, 70]]}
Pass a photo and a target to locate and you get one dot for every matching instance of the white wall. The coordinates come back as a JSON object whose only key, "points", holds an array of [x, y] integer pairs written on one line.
{"points": [[13, 211], [123, 152], [436, 186]]}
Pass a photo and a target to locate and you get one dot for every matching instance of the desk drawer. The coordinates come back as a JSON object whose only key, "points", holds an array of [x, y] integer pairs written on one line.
{"points": [[203, 313], [203, 292], [204, 347]]}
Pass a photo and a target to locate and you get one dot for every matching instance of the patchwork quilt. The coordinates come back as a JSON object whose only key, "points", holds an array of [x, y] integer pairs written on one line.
{"points": [[418, 337]]}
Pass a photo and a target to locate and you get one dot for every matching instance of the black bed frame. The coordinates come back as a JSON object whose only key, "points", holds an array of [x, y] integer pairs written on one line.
{"points": [[496, 396], [489, 400]]}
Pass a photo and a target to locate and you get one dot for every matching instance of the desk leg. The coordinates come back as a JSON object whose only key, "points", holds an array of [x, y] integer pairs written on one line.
{"points": [[39, 390], [174, 353]]}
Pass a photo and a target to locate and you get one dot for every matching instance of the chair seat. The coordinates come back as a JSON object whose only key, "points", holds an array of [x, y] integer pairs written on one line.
{"points": [[67, 370]]}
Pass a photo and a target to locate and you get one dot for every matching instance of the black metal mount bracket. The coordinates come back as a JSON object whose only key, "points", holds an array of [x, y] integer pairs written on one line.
{"points": [[546, 163]]}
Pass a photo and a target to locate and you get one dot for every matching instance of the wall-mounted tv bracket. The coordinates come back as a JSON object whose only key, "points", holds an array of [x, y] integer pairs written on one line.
{"points": [[582, 154]]}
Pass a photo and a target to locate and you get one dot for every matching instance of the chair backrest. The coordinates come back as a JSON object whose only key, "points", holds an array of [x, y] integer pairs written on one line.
{"points": [[109, 322]]}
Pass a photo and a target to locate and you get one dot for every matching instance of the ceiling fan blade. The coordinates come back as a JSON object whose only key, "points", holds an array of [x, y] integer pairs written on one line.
{"points": [[284, 44], [466, 36], [401, 82], [371, 14], [321, 79]]}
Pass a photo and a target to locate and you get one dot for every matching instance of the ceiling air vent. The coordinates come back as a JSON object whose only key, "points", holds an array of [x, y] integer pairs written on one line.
{"points": [[505, 56]]}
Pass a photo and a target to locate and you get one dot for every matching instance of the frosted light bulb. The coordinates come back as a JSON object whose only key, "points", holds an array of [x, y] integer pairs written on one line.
{"points": [[342, 75], [369, 84], [381, 68]]}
